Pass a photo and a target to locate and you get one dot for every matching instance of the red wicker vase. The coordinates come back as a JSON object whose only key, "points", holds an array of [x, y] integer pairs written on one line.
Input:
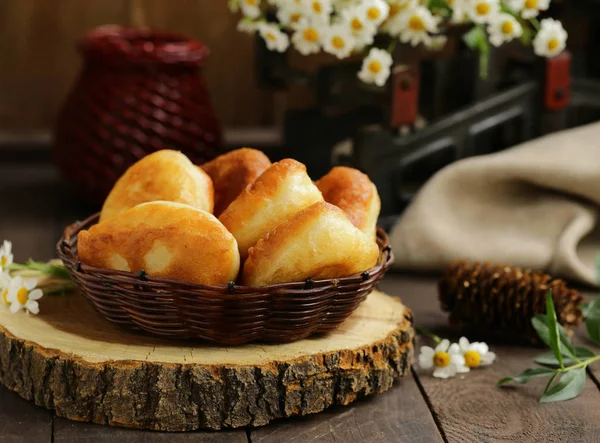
{"points": [[140, 91]]}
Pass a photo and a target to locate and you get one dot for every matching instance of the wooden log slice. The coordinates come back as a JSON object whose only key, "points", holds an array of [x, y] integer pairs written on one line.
{"points": [[71, 360]]}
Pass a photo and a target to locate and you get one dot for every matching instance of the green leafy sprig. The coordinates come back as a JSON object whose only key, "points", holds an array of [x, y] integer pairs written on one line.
{"points": [[54, 277], [566, 364]]}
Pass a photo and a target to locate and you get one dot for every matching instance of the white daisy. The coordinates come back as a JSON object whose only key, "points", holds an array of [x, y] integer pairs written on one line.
{"points": [[6, 256], [250, 8], [416, 25], [291, 14], [338, 40], [551, 39], [397, 8], [273, 37], [362, 30], [376, 67], [529, 8], [307, 38], [445, 358], [4, 285], [482, 11], [503, 28], [375, 11], [248, 26], [23, 295], [475, 354], [459, 10], [319, 9]]}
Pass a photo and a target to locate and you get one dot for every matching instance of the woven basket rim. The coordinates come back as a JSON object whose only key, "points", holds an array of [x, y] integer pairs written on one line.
{"points": [[67, 249]]}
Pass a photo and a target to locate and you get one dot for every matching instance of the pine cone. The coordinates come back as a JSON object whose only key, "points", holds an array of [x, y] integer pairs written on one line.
{"points": [[497, 300]]}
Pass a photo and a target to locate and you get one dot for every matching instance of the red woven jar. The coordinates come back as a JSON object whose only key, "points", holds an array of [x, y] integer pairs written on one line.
{"points": [[140, 91]]}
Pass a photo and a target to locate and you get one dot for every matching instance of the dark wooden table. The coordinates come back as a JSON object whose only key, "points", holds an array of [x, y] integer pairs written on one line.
{"points": [[34, 208]]}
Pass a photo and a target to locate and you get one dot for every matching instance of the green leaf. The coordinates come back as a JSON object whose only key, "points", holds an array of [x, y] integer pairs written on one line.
{"points": [[552, 324], [474, 37], [592, 319], [548, 359], [527, 375], [569, 386]]}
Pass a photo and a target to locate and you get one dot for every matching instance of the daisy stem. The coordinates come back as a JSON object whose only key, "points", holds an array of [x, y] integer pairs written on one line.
{"points": [[429, 334], [392, 46], [535, 22]]}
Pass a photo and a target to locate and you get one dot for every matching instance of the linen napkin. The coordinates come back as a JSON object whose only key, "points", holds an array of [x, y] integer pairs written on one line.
{"points": [[535, 206]]}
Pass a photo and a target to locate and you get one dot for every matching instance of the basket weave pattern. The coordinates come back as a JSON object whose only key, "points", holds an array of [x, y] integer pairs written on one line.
{"points": [[224, 314]]}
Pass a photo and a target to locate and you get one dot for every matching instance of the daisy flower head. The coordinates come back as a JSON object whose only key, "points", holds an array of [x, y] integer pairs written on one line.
{"points": [[338, 40], [376, 67], [247, 26], [397, 8], [529, 8], [475, 354], [375, 11], [290, 14], [483, 11], [4, 286], [273, 37], [307, 37], [318, 9], [459, 10], [362, 30], [551, 39], [250, 8], [416, 25], [6, 256], [503, 28], [22, 294], [446, 359]]}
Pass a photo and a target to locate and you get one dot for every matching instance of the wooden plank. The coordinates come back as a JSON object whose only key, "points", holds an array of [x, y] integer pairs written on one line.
{"points": [[39, 59], [22, 421], [471, 408], [66, 431], [399, 415]]}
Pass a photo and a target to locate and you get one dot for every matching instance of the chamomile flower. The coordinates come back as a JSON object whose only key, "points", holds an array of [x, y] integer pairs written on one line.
{"points": [[551, 39], [319, 9], [23, 295], [529, 8], [376, 67], [6, 257], [397, 8], [362, 30], [475, 354], [4, 285], [247, 26], [273, 37], [375, 11], [446, 359], [503, 28], [291, 14], [250, 8], [483, 11], [459, 10], [416, 25], [307, 38], [338, 40]]}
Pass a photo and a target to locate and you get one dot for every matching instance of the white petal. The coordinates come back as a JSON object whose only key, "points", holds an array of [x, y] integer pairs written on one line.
{"points": [[15, 307], [32, 306], [443, 346], [425, 362], [482, 348], [464, 343], [488, 358], [457, 359], [36, 294], [427, 350], [30, 283], [454, 349], [462, 369]]}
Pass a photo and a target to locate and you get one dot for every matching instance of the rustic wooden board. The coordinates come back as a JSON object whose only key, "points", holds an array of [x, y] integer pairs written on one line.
{"points": [[73, 361]]}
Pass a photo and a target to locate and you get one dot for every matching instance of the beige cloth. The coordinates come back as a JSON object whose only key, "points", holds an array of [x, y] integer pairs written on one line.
{"points": [[535, 206]]}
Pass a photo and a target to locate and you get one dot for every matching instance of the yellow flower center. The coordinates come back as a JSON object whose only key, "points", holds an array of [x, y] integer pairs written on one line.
{"points": [[4, 295], [338, 42], [251, 2], [441, 359], [271, 36], [507, 28], [450, 2], [416, 23], [295, 17], [310, 35], [373, 13], [356, 24], [483, 9], [375, 67], [3, 261], [552, 44], [472, 359], [530, 4], [316, 6], [22, 296]]}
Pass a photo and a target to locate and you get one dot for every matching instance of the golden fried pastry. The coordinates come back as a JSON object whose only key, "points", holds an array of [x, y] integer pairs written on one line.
{"points": [[165, 239], [232, 172], [163, 175], [318, 242], [353, 192], [282, 190]]}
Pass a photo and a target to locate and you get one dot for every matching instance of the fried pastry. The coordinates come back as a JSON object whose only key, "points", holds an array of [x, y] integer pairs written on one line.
{"points": [[165, 239], [280, 192], [231, 173], [163, 175], [352, 192], [318, 242]]}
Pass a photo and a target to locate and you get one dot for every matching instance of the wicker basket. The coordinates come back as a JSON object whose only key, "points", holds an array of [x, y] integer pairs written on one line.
{"points": [[225, 314]]}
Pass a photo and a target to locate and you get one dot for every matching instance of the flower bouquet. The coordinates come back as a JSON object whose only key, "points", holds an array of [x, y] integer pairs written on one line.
{"points": [[372, 28]]}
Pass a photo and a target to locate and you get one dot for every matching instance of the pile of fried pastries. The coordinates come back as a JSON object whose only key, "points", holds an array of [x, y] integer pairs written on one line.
{"points": [[236, 218]]}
